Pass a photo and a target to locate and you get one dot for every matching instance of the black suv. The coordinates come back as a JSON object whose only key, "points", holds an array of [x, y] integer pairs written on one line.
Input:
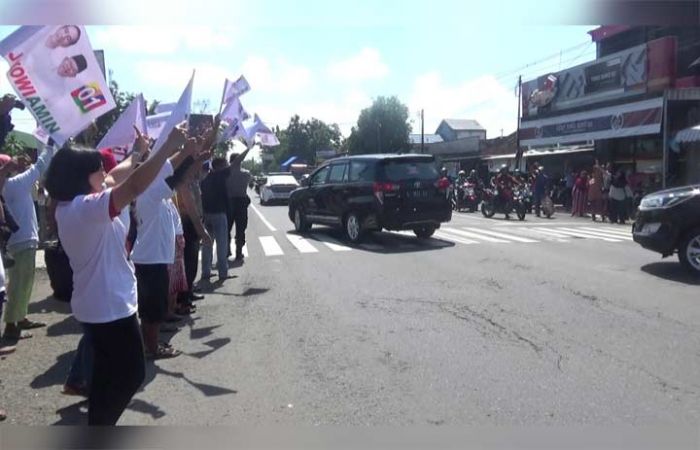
{"points": [[372, 192], [668, 222]]}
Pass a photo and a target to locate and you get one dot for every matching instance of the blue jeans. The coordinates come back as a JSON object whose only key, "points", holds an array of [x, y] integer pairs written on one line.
{"points": [[217, 227], [80, 374]]}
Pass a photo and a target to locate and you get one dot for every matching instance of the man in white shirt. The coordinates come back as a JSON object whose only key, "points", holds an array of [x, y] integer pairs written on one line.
{"points": [[22, 245], [154, 250]]}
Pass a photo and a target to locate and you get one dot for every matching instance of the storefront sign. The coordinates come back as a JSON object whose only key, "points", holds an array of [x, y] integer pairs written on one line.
{"points": [[631, 119], [603, 76]]}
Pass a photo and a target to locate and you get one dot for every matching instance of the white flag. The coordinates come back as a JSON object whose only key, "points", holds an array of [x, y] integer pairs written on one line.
{"points": [[233, 89], [165, 107], [234, 110], [234, 130], [122, 132], [54, 71], [267, 137], [41, 135], [178, 114], [155, 124]]}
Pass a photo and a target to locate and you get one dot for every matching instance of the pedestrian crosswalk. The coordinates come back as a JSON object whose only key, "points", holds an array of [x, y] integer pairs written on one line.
{"points": [[327, 240]]}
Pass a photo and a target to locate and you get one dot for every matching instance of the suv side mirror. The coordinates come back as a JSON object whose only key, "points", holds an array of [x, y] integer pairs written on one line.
{"points": [[305, 180]]}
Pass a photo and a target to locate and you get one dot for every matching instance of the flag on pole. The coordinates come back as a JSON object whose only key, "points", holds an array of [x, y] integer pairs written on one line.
{"points": [[155, 124], [165, 107], [234, 89], [122, 132], [55, 73], [234, 110], [178, 114], [259, 129]]}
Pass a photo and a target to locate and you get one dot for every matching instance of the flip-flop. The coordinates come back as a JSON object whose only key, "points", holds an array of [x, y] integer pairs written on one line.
{"points": [[163, 353], [7, 349], [27, 324], [13, 338], [3, 415], [75, 391]]}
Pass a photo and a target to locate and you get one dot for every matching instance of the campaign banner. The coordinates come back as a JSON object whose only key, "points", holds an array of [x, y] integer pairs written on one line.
{"points": [[54, 71], [234, 89], [178, 114], [266, 136]]}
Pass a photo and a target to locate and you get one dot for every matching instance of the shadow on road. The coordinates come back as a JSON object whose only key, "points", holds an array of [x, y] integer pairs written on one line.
{"points": [[671, 271], [214, 344], [56, 374], [75, 414], [49, 304], [63, 328], [379, 241]]}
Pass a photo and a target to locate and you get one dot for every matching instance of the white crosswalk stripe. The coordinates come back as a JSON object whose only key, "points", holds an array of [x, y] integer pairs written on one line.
{"points": [[612, 234], [476, 236], [301, 244], [612, 231], [582, 234], [552, 234], [331, 243], [502, 235], [270, 246], [459, 240], [601, 234]]}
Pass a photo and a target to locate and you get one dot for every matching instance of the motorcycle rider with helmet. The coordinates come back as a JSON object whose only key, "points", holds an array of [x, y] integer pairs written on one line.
{"points": [[504, 181]]}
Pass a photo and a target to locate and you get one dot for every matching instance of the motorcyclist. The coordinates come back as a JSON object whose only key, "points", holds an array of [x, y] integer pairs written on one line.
{"points": [[504, 182], [473, 178]]}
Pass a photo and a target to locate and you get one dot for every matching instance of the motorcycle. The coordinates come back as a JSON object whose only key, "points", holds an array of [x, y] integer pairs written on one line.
{"points": [[471, 196], [547, 206], [528, 198], [505, 203]]}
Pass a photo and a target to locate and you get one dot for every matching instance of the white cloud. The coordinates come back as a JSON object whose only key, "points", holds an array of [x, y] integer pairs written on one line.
{"points": [[280, 76], [157, 40], [366, 65], [176, 74], [483, 99]]}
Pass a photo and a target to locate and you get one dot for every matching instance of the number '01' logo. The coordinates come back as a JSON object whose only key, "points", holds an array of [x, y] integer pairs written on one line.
{"points": [[88, 97]]}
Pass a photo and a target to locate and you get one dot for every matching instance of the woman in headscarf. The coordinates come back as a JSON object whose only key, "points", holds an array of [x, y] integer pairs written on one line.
{"points": [[596, 201], [580, 195]]}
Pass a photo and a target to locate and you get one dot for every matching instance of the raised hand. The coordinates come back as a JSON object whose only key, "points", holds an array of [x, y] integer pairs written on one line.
{"points": [[6, 104], [141, 145], [177, 137]]}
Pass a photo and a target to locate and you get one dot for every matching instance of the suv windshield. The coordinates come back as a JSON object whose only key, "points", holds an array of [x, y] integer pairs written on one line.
{"points": [[400, 170]]}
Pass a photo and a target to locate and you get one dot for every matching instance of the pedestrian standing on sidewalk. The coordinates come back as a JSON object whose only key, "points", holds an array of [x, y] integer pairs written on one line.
{"points": [[607, 182], [539, 183], [154, 249], [189, 200], [596, 205], [7, 166], [92, 225], [22, 245], [580, 195], [238, 201], [215, 205], [619, 193], [569, 181]]}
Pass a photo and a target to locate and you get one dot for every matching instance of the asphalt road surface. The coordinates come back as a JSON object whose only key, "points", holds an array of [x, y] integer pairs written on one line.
{"points": [[561, 321]]}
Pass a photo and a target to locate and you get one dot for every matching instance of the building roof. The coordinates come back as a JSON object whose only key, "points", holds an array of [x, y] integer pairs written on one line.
{"points": [[463, 124], [428, 138]]}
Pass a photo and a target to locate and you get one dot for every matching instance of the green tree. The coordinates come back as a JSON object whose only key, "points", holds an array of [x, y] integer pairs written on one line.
{"points": [[304, 138], [381, 128], [12, 147]]}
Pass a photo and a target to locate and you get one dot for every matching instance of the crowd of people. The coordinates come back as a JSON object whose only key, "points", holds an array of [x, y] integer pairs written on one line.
{"points": [[604, 194], [131, 233]]}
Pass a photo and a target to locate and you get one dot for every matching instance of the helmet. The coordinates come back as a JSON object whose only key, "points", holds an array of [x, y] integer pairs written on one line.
{"points": [[462, 173], [443, 171], [503, 169], [472, 173]]}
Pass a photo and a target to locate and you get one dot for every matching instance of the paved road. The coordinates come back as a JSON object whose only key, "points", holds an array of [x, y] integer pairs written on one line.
{"points": [[560, 321]]}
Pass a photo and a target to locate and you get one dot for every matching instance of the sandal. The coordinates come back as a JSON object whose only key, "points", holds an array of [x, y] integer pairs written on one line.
{"points": [[27, 324], [163, 353], [16, 334], [74, 391], [3, 415], [7, 349], [185, 309], [169, 329]]}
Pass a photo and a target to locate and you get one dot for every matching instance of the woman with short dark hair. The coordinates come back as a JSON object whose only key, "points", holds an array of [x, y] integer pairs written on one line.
{"points": [[93, 222]]}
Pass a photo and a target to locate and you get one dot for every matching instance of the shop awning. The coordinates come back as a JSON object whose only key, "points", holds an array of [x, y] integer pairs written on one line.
{"points": [[691, 134], [544, 152], [630, 119]]}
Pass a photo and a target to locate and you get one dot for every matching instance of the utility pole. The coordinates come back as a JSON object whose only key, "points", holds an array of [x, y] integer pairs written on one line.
{"points": [[422, 132], [518, 152], [379, 141]]}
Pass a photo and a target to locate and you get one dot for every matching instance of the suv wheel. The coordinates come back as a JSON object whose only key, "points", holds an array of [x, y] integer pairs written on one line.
{"points": [[424, 232], [353, 228], [301, 225], [689, 252]]}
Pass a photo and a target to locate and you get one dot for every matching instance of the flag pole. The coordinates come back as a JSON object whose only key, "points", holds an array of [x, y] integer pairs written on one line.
{"points": [[223, 95]]}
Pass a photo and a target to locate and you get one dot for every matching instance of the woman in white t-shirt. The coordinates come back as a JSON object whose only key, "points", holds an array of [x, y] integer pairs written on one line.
{"points": [[93, 222]]}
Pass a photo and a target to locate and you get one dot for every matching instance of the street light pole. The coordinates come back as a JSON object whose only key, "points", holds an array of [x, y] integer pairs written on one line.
{"points": [[379, 141], [422, 133]]}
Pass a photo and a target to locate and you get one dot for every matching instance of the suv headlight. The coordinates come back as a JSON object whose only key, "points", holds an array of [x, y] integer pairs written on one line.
{"points": [[658, 201]]}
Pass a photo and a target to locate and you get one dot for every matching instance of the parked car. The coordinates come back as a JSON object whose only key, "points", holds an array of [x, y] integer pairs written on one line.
{"points": [[373, 192], [277, 188], [668, 222]]}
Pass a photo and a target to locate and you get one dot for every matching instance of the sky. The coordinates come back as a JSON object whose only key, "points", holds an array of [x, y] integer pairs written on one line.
{"points": [[318, 59]]}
